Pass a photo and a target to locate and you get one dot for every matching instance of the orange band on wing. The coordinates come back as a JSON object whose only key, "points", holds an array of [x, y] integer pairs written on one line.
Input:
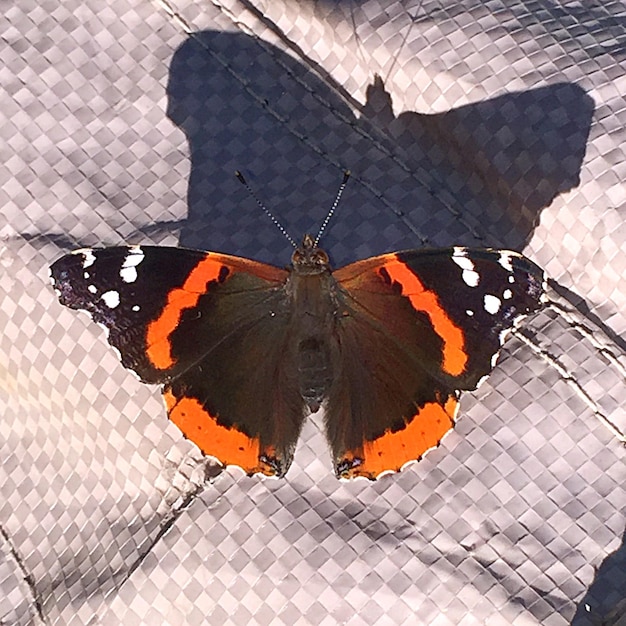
{"points": [[454, 355], [158, 336], [228, 445], [392, 450]]}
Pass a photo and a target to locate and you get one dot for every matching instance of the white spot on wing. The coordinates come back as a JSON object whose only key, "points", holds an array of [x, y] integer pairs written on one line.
{"points": [[506, 260], [469, 313], [111, 299], [92, 289], [128, 272], [462, 260], [492, 304], [89, 258], [470, 276], [508, 294], [136, 307], [134, 257]]}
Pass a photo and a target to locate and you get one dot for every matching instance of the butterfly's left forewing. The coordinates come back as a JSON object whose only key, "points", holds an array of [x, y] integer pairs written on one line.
{"points": [[414, 329], [211, 329]]}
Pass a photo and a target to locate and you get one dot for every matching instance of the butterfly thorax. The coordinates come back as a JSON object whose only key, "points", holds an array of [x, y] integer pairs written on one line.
{"points": [[313, 309]]}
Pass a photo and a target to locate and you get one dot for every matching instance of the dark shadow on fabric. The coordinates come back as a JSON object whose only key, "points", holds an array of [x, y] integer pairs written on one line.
{"points": [[502, 160], [227, 93], [292, 45], [605, 600], [246, 105]]}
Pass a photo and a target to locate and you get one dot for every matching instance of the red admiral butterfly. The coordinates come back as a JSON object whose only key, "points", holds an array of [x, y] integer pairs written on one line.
{"points": [[245, 350]]}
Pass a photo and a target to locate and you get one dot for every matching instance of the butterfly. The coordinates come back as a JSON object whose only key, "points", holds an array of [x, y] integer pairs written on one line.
{"points": [[244, 351]]}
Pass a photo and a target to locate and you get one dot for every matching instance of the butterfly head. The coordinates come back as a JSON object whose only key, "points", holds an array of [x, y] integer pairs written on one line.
{"points": [[309, 259]]}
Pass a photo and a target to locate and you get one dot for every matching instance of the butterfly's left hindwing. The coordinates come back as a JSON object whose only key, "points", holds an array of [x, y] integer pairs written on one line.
{"points": [[423, 326], [208, 326]]}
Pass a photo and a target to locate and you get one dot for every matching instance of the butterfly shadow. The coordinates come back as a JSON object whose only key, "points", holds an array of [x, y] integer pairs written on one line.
{"points": [[479, 174]]}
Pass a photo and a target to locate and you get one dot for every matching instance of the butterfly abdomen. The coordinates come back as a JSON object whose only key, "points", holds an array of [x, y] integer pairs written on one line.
{"points": [[311, 325], [314, 371]]}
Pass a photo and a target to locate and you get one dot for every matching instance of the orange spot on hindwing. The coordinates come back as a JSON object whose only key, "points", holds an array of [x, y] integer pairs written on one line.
{"points": [[454, 357], [159, 346], [392, 450], [228, 445]]}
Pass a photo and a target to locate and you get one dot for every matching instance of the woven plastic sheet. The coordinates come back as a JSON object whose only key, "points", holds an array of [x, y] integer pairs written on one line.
{"points": [[476, 123]]}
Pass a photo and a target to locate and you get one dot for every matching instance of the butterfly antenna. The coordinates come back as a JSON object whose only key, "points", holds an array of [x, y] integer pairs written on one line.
{"points": [[330, 213], [265, 210]]}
